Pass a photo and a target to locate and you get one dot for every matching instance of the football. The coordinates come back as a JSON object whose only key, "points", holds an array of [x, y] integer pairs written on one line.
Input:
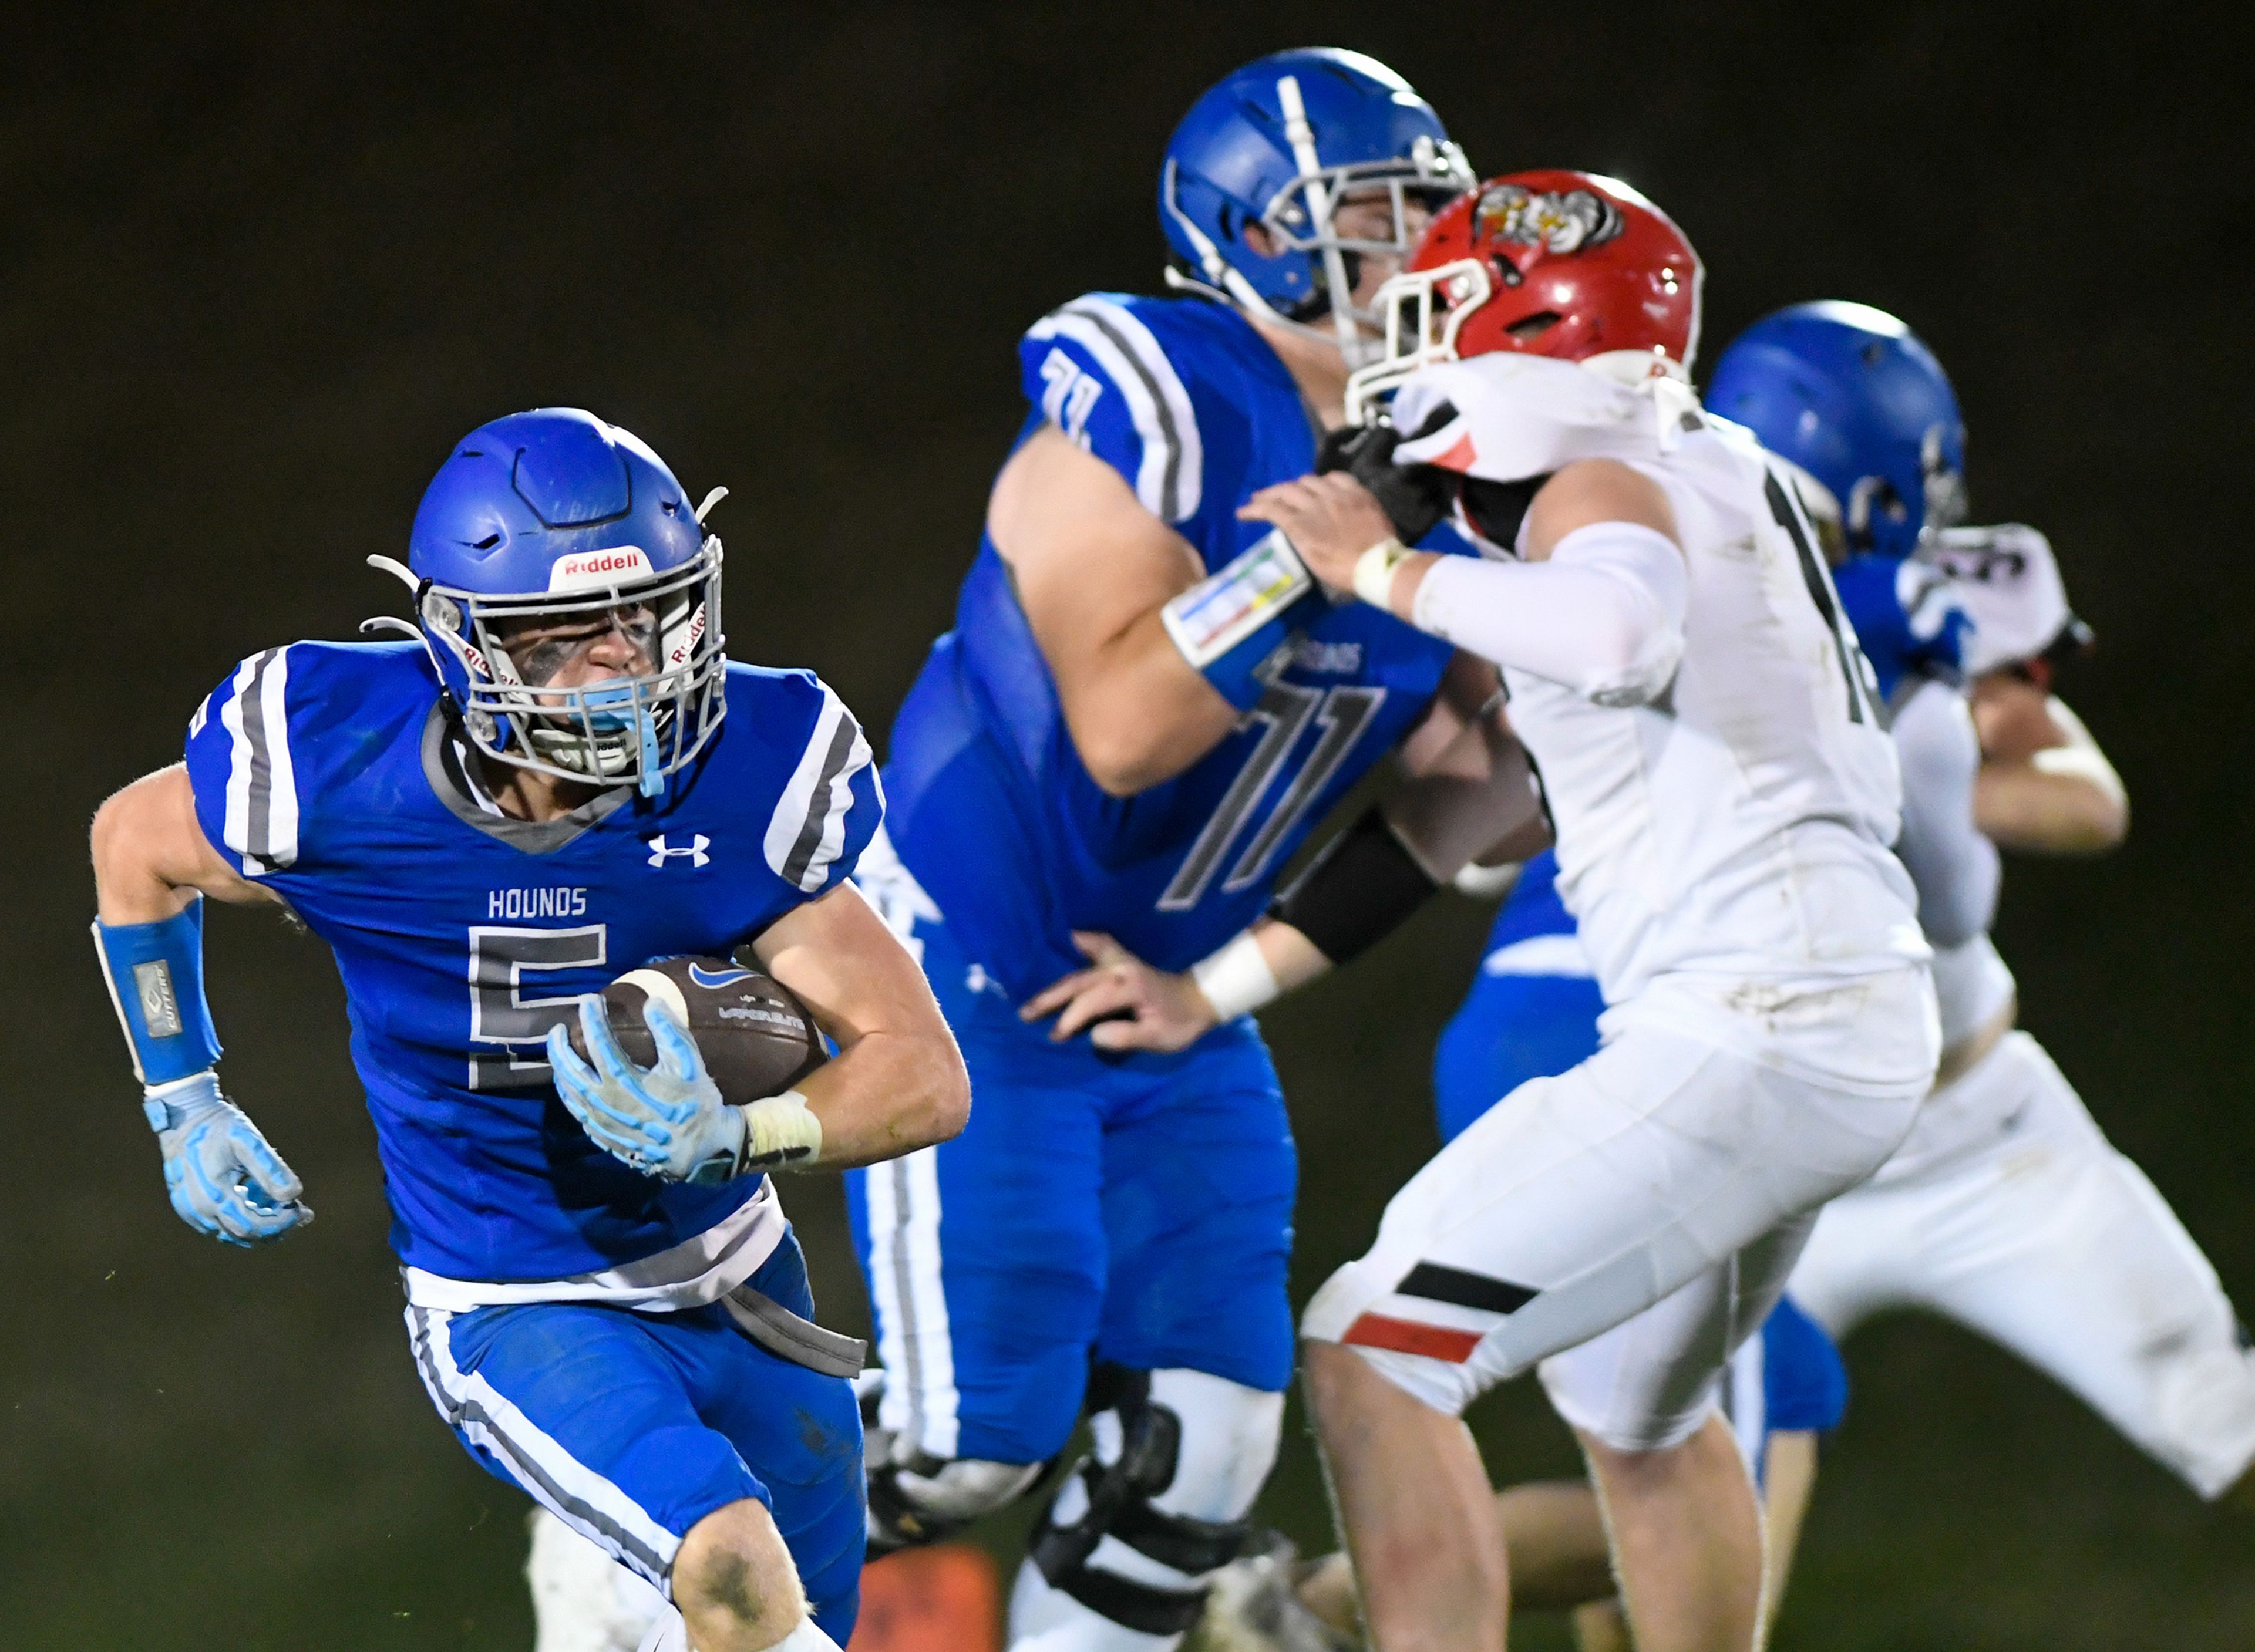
{"points": [[756, 1039]]}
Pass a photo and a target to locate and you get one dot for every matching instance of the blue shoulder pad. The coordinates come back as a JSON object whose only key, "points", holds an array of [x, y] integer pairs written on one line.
{"points": [[287, 724], [241, 766], [831, 804], [1099, 374]]}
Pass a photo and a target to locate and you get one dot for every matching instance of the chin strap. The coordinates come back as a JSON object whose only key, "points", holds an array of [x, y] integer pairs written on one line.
{"points": [[382, 622]]}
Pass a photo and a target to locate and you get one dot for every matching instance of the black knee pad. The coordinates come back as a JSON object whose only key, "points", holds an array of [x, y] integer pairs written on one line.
{"points": [[1119, 1495]]}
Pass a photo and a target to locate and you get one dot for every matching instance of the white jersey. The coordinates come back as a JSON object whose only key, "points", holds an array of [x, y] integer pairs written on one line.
{"points": [[1725, 837]]}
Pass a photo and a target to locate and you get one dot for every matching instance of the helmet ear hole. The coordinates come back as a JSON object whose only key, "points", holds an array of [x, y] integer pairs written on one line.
{"points": [[1526, 329]]}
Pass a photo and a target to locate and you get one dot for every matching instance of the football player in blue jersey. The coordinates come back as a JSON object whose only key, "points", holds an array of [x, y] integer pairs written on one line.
{"points": [[560, 778], [1143, 708]]}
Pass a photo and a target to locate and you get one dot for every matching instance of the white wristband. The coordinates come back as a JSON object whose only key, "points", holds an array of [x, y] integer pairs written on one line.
{"points": [[1373, 571], [1487, 882], [1236, 978], [779, 1134]]}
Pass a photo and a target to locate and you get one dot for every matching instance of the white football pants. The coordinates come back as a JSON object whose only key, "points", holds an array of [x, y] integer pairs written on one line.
{"points": [[1663, 1186], [2040, 1236]]}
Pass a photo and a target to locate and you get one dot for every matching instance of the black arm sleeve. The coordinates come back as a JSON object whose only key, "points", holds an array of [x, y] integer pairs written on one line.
{"points": [[1356, 892]]}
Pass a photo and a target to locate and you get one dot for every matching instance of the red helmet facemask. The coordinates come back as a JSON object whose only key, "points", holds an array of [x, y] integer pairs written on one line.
{"points": [[1566, 264]]}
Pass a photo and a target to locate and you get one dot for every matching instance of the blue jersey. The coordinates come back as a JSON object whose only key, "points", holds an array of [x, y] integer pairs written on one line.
{"points": [[992, 809], [326, 772]]}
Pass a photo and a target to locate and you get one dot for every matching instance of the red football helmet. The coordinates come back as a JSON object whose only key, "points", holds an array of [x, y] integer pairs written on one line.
{"points": [[1558, 263]]}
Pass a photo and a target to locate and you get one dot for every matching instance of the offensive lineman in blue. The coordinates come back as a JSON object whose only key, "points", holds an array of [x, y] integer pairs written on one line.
{"points": [[1143, 708], [560, 778]]}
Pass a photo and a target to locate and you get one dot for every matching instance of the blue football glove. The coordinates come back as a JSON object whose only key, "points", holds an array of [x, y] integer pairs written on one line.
{"points": [[667, 1121], [224, 1179]]}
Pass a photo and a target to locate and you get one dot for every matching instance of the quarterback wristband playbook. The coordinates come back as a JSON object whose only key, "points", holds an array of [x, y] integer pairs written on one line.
{"points": [[1357, 892], [1231, 621], [155, 976]]}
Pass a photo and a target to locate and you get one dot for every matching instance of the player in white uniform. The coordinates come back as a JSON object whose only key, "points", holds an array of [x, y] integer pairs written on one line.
{"points": [[1723, 794], [2006, 1210]]}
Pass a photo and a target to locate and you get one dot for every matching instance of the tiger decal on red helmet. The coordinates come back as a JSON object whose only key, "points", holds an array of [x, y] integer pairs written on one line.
{"points": [[1571, 265]]}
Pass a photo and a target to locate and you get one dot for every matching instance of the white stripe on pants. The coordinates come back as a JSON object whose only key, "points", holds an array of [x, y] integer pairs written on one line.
{"points": [[913, 1343]]}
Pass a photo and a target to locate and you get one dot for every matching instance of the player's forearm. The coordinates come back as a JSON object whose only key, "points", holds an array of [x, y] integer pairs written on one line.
{"points": [[1353, 894], [2045, 785], [889, 1094], [2058, 802], [1488, 808], [2056, 794], [1256, 967]]}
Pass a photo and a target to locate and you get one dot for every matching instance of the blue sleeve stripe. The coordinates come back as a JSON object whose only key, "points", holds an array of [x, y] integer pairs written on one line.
{"points": [[807, 831], [1170, 477], [260, 820]]}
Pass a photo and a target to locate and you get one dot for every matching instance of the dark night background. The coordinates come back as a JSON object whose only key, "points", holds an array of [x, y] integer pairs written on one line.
{"points": [[260, 265]]}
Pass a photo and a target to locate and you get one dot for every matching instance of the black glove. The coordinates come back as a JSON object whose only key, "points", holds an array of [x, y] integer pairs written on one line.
{"points": [[1413, 497]]}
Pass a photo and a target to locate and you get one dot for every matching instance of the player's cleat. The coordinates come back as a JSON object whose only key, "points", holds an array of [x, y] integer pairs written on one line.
{"points": [[1251, 1606]]}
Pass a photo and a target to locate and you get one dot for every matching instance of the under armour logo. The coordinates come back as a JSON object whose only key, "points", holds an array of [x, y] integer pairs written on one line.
{"points": [[659, 853]]}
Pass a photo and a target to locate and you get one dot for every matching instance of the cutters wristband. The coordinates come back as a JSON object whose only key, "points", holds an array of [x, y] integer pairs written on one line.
{"points": [[1228, 624], [155, 973]]}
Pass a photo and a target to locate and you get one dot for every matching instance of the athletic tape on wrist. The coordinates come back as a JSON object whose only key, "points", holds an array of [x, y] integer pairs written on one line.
{"points": [[1373, 571], [1235, 978], [1228, 624], [155, 973], [780, 1133]]}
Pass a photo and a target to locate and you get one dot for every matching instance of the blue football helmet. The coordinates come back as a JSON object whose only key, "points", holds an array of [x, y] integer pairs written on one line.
{"points": [[1851, 397], [1279, 144], [540, 530]]}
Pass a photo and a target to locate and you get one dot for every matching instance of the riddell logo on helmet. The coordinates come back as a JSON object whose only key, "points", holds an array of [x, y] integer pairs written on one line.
{"points": [[591, 567], [687, 646]]}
